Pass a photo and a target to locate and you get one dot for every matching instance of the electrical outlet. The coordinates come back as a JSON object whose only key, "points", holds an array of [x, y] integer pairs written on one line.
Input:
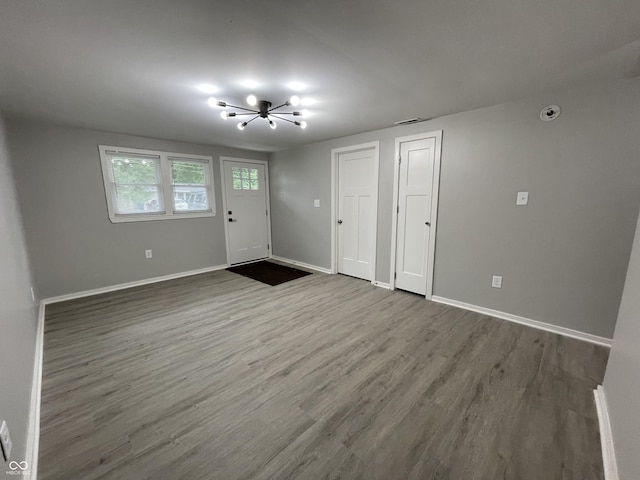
{"points": [[316, 203], [496, 282], [5, 441], [148, 254]]}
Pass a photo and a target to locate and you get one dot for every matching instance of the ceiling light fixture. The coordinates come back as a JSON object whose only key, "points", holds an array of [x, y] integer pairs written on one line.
{"points": [[264, 110]]}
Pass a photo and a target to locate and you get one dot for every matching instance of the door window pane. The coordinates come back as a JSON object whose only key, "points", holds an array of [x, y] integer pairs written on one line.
{"points": [[245, 178]]}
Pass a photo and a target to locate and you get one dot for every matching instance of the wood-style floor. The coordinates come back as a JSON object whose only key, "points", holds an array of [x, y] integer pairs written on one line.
{"points": [[217, 376]]}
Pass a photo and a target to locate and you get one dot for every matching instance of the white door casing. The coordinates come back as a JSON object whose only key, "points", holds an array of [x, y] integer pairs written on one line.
{"points": [[355, 175], [416, 184], [246, 206]]}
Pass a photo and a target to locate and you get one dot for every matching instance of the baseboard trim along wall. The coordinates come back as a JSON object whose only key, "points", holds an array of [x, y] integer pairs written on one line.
{"points": [[381, 284], [606, 436], [567, 332], [33, 432], [301, 264], [137, 283]]}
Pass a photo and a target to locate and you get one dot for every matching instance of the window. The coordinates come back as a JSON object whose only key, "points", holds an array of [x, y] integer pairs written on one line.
{"points": [[148, 185], [245, 178], [189, 179]]}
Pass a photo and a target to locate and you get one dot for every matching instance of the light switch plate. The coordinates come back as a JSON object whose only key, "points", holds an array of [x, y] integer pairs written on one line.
{"points": [[496, 282], [316, 203], [5, 440], [523, 198], [148, 254]]}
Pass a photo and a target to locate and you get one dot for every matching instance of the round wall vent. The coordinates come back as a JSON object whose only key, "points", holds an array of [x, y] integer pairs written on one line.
{"points": [[550, 113]]}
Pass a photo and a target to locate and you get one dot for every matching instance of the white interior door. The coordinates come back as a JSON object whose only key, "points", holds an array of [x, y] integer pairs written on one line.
{"points": [[415, 191], [246, 211], [357, 213]]}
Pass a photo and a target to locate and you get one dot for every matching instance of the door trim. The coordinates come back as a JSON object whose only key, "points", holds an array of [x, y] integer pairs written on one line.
{"points": [[225, 216], [335, 153], [431, 254]]}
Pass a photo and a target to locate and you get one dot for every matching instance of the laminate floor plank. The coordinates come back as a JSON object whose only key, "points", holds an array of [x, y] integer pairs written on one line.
{"points": [[217, 376]]}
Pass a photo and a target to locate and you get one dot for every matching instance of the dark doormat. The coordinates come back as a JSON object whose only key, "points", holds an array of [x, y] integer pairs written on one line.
{"points": [[269, 273]]}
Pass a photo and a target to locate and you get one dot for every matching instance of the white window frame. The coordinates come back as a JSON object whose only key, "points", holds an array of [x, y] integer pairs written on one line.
{"points": [[166, 184]]}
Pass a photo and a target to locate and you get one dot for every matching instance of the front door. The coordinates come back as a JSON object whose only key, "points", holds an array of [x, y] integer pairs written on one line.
{"points": [[415, 191], [357, 210], [246, 214]]}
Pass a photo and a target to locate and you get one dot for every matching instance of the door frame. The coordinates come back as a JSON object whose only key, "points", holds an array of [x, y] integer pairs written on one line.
{"points": [[435, 193], [335, 179], [225, 215]]}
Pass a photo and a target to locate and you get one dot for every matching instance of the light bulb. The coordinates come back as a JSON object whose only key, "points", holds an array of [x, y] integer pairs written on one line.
{"points": [[213, 102], [241, 125], [305, 113], [303, 124], [272, 124], [252, 100], [295, 100], [224, 114]]}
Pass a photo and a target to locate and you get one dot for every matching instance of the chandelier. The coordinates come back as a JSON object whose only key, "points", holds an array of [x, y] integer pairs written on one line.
{"points": [[261, 109]]}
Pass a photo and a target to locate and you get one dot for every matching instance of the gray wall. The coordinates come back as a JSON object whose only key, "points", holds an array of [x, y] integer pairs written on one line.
{"points": [[622, 382], [18, 314], [73, 245], [563, 257]]}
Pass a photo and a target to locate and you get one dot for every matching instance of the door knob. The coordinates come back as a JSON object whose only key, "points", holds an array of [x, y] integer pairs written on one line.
{"points": [[231, 220], [428, 224], [340, 222]]}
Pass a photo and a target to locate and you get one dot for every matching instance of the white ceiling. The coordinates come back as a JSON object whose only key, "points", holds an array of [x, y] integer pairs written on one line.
{"points": [[133, 66]]}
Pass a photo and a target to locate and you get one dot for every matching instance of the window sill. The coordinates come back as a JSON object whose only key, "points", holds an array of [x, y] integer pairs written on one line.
{"points": [[149, 218]]}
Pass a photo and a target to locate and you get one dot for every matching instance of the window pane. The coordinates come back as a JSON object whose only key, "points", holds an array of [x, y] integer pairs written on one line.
{"points": [[245, 173], [254, 173], [188, 173], [134, 170], [137, 199], [245, 184], [192, 199], [236, 172], [254, 184]]}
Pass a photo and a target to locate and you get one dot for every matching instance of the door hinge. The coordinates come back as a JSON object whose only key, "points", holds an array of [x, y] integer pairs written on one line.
{"points": [[395, 275], [398, 209], [268, 247], [399, 160], [266, 212]]}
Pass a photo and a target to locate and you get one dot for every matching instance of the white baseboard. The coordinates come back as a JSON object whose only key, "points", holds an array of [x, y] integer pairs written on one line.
{"points": [[33, 432], [137, 283], [301, 264], [381, 284], [567, 332], [606, 436]]}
